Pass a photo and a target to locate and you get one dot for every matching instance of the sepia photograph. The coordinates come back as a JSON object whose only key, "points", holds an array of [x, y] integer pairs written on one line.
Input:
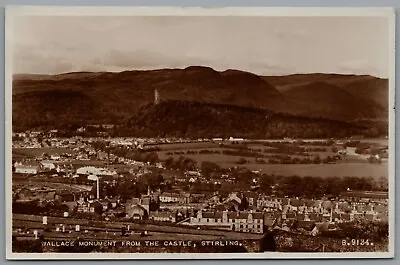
{"points": [[199, 133]]}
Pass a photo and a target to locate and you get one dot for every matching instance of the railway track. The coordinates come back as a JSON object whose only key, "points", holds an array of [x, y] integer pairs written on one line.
{"points": [[32, 222]]}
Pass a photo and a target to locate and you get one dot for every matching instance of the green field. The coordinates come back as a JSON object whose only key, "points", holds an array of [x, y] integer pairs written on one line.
{"points": [[185, 146], [342, 169], [52, 185], [34, 152], [325, 170], [352, 167]]}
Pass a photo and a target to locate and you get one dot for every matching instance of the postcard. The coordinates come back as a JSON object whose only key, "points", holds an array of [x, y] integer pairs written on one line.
{"points": [[199, 133]]}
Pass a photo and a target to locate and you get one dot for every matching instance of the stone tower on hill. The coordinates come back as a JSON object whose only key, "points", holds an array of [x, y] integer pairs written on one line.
{"points": [[156, 97]]}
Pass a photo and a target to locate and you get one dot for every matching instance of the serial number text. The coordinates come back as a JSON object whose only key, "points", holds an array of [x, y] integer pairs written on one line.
{"points": [[357, 242]]}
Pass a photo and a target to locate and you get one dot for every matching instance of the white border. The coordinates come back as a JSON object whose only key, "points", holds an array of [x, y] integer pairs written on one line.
{"points": [[198, 11], [14, 11]]}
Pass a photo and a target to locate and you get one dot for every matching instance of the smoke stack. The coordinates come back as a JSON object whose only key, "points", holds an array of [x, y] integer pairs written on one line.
{"points": [[98, 188]]}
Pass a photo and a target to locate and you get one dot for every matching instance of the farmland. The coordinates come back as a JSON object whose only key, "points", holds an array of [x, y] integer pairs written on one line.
{"points": [[35, 152], [227, 155], [325, 170], [37, 183]]}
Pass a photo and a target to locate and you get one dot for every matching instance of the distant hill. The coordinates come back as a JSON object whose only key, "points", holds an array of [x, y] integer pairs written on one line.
{"points": [[361, 86], [329, 100], [195, 119], [58, 108], [73, 75], [106, 97]]}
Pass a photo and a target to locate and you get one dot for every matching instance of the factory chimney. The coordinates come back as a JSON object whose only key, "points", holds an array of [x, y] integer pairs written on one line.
{"points": [[97, 188]]}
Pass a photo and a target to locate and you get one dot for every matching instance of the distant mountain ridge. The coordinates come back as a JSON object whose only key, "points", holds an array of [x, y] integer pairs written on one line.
{"points": [[106, 97], [363, 86], [330, 100]]}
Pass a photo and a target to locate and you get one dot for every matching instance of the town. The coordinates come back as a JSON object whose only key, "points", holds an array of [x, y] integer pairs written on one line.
{"points": [[158, 182]]}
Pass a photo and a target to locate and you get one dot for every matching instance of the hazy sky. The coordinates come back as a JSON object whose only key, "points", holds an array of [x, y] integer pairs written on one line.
{"points": [[263, 45]]}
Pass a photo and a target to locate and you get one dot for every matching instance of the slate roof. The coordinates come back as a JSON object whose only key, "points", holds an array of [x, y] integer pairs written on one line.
{"points": [[306, 225], [164, 214], [300, 217], [309, 203], [208, 215], [345, 216], [257, 215], [380, 209], [296, 202]]}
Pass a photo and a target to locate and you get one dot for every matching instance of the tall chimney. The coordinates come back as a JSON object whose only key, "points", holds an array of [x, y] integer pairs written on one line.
{"points": [[98, 188]]}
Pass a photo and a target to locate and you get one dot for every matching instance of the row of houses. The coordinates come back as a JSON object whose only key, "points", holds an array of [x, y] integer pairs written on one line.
{"points": [[147, 208], [346, 200], [258, 222], [320, 206], [251, 222], [303, 209]]}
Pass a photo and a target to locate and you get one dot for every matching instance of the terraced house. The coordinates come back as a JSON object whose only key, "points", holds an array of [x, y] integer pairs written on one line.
{"points": [[251, 222]]}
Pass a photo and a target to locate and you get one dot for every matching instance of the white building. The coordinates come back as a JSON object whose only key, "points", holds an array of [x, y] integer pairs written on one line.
{"points": [[55, 157], [26, 169], [48, 164], [232, 139], [251, 222], [98, 171]]}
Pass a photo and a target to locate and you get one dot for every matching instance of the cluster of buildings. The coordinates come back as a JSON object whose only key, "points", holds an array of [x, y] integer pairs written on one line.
{"points": [[25, 193], [246, 221], [36, 139], [310, 216], [242, 212]]}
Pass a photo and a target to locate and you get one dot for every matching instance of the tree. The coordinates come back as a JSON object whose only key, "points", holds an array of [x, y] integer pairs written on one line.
{"points": [[317, 159], [127, 190], [241, 161], [99, 145], [98, 208], [330, 142], [208, 167], [244, 204], [154, 180], [266, 184], [169, 162], [152, 157]]}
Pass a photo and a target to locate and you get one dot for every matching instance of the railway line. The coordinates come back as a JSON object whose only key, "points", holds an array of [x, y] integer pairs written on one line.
{"points": [[89, 228]]}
